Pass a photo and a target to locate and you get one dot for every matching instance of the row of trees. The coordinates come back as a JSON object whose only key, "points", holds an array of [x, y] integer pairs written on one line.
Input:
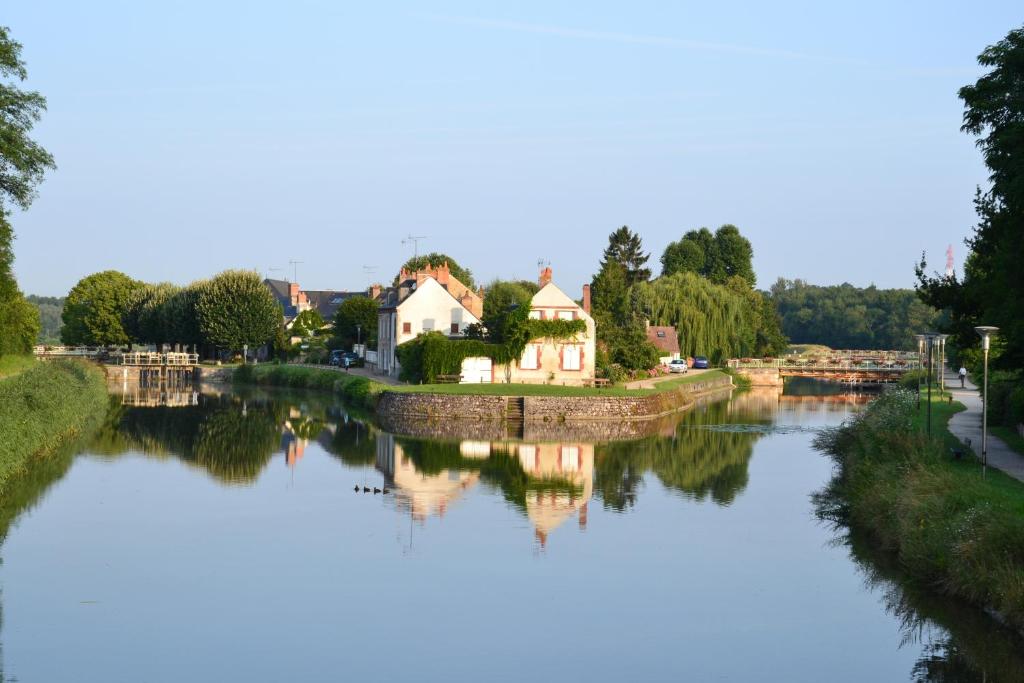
{"points": [[23, 162], [848, 317], [228, 311], [990, 292], [706, 291]]}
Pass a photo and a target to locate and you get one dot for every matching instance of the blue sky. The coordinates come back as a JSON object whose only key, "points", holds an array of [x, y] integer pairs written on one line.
{"points": [[195, 136]]}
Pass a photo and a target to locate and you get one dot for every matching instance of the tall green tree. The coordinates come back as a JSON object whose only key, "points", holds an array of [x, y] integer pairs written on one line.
{"points": [[355, 320], [500, 298], [147, 319], [989, 293], [235, 309], [626, 249], [435, 259], [307, 324], [50, 308], [23, 162], [95, 307], [717, 256]]}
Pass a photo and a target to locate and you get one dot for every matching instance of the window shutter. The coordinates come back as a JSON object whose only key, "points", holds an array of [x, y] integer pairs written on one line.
{"points": [[561, 358], [537, 347]]}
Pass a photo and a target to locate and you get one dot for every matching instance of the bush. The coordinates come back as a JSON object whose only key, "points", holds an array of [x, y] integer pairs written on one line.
{"points": [[354, 389], [45, 406]]}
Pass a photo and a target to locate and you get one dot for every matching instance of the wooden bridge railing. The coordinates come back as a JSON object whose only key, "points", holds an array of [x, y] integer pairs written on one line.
{"points": [[828, 365]]}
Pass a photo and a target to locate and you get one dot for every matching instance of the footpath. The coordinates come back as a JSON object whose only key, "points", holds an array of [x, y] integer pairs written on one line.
{"points": [[967, 425]]}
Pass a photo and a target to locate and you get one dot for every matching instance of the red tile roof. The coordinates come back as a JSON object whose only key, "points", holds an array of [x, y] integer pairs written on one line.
{"points": [[664, 337]]}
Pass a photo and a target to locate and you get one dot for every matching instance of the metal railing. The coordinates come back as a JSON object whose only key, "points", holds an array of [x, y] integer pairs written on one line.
{"points": [[153, 359]]}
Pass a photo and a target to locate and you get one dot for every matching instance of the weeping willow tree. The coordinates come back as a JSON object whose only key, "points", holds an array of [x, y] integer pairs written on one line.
{"points": [[711, 320]]}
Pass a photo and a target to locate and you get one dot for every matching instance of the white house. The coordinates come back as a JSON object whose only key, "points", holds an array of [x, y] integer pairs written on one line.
{"points": [[422, 304]]}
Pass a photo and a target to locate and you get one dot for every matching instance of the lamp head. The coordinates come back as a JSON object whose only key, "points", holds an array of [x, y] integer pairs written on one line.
{"points": [[985, 332]]}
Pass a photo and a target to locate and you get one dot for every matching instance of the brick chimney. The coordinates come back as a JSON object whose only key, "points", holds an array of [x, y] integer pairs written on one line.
{"points": [[586, 299], [374, 291], [545, 276]]}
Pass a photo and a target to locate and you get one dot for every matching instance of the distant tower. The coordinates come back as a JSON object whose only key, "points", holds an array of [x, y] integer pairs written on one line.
{"points": [[949, 262]]}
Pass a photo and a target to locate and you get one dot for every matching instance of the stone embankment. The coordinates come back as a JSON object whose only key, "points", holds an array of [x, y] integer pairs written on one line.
{"points": [[556, 409]]}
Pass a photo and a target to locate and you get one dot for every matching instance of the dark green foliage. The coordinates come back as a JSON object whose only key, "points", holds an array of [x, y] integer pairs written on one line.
{"points": [[146, 318], [500, 300], [19, 325], [356, 319], [94, 309], [989, 293], [24, 161], [50, 309], [236, 309], [626, 249], [22, 165], [848, 317], [711, 320], [621, 333], [435, 259], [358, 391], [44, 407], [718, 256]]}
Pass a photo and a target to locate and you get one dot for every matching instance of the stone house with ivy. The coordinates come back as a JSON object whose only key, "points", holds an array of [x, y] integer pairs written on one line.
{"points": [[563, 357]]}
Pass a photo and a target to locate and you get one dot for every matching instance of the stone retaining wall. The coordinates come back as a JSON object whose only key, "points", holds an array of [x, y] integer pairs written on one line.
{"points": [[546, 408]]}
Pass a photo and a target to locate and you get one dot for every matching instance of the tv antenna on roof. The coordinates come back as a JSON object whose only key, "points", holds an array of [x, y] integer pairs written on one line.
{"points": [[542, 263], [368, 271], [272, 269], [415, 239], [295, 269]]}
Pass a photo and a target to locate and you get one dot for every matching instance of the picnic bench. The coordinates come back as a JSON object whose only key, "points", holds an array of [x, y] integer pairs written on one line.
{"points": [[449, 379], [597, 382]]}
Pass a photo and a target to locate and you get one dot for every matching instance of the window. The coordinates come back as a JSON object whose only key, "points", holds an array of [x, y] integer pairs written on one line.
{"points": [[406, 328], [531, 357], [566, 315], [536, 315], [661, 334], [570, 457], [428, 324], [455, 328], [571, 357]]}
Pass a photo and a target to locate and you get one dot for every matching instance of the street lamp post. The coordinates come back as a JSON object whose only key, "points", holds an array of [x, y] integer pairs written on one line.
{"points": [[920, 365], [942, 363], [985, 332], [931, 346]]}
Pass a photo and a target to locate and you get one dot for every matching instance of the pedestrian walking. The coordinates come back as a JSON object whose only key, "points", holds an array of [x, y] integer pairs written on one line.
{"points": [[963, 376]]}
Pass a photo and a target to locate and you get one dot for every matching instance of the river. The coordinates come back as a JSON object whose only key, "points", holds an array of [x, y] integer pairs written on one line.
{"points": [[224, 539]]}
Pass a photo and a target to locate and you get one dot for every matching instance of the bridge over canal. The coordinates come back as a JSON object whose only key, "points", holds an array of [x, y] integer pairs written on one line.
{"points": [[850, 367]]}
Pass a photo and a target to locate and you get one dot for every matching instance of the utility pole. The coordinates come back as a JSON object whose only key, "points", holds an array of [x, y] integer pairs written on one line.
{"points": [[415, 239]]}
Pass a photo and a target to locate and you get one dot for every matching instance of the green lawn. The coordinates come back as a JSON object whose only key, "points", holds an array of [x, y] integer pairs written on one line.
{"points": [[12, 365], [1006, 487], [551, 389]]}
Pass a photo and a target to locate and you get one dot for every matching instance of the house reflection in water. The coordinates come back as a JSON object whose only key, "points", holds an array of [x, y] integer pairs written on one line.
{"points": [[570, 468], [422, 493], [427, 478]]}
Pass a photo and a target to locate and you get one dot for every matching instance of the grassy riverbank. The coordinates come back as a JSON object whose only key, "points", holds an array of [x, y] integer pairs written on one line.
{"points": [[13, 365], [953, 528], [44, 407], [363, 391]]}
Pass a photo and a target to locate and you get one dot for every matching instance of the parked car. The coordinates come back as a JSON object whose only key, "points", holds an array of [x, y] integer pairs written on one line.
{"points": [[335, 357], [678, 365], [701, 363]]}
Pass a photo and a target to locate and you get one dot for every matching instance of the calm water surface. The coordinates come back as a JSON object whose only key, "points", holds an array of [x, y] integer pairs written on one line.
{"points": [[224, 541]]}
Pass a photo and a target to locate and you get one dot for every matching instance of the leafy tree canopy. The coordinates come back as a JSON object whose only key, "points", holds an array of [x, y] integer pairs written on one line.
{"points": [[94, 309], [626, 249], [501, 297], [356, 319], [236, 309], [718, 256], [307, 324], [989, 293], [463, 275]]}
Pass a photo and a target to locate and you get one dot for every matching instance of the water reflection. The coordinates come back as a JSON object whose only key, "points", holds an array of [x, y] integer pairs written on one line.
{"points": [[557, 485]]}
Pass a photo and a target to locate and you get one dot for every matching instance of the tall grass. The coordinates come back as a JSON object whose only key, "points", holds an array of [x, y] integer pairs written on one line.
{"points": [[354, 389], [44, 407], [951, 527]]}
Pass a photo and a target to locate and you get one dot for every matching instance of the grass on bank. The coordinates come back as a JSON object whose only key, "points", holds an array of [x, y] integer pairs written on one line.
{"points": [[13, 365], [952, 527], [44, 407], [363, 391]]}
